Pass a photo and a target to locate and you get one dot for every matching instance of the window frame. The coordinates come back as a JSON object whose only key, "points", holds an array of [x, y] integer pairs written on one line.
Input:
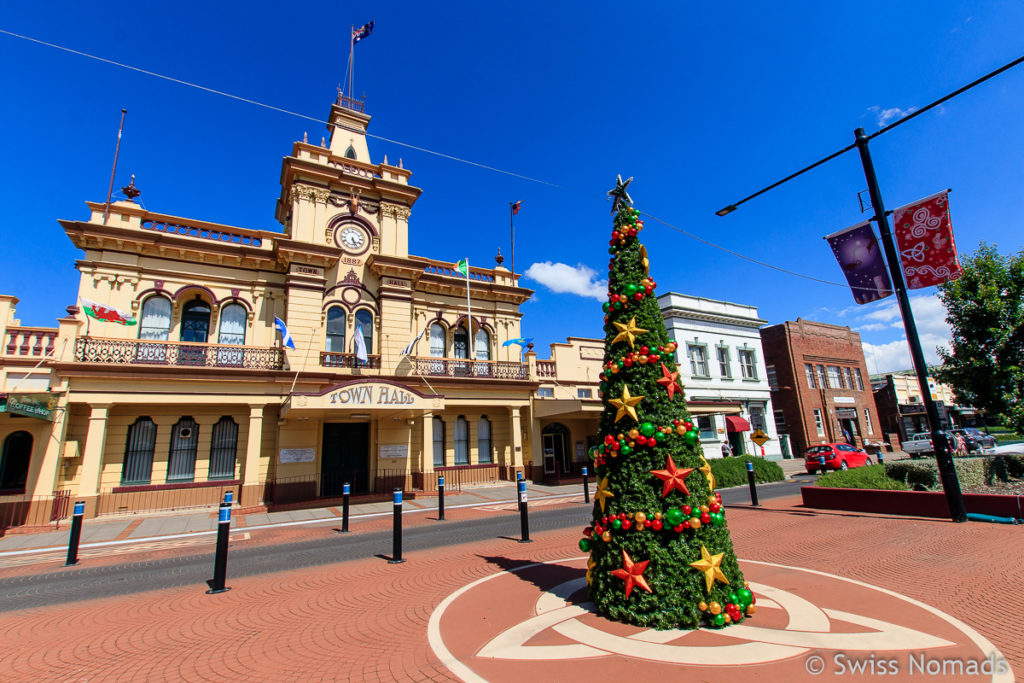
{"points": [[703, 348], [772, 376], [724, 361], [745, 367], [183, 448], [484, 446], [334, 342], [363, 316], [834, 370], [460, 439], [848, 377], [709, 433], [859, 379], [220, 452], [6, 457], [867, 422], [819, 422], [438, 440], [165, 333], [139, 451], [809, 373]]}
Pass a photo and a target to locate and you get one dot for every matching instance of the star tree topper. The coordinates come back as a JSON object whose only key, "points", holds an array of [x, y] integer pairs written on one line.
{"points": [[626, 404], [673, 477], [632, 573], [629, 332], [619, 194], [670, 380], [710, 565]]}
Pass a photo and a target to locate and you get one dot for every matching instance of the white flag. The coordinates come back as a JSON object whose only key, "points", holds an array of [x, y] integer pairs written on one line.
{"points": [[408, 349], [360, 344]]}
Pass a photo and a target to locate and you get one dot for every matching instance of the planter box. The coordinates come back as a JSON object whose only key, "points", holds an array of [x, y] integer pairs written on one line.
{"points": [[913, 503]]}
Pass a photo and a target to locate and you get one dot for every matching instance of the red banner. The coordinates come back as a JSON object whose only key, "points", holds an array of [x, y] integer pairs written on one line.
{"points": [[924, 237]]}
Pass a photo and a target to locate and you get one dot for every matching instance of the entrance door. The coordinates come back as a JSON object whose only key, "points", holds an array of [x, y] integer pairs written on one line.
{"points": [[345, 458]]}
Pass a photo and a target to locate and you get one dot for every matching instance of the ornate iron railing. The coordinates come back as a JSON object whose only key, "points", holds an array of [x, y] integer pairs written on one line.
{"points": [[351, 103], [546, 368], [147, 352], [463, 367], [331, 359], [30, 341]]}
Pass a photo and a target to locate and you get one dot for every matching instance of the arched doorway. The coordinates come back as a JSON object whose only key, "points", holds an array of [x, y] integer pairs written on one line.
{"points": [[14, 460], [555, 447]]}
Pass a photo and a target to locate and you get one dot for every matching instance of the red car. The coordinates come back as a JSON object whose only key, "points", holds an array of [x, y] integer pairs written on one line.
{"points": [[838, 456]]}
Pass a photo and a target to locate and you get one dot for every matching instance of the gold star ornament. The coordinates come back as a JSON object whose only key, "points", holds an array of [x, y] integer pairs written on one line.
{"points": [[644, 261], [626, 404], [711, 566], [708, 474], [602, 493], [629, 332]]}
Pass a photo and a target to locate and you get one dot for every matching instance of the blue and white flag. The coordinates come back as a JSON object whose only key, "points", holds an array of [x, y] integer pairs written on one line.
{"points": [[286, 339], [522, 341], [408, 349], [360, 344], [363, 31]]}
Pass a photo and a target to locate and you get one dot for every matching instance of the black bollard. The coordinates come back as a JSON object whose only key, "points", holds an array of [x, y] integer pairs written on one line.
{"points": [[524, 516], [440, 499], [586, 487], [881, 458], [220, 560], [753, 486], [345, 490], [396, 552], [76, 534]]}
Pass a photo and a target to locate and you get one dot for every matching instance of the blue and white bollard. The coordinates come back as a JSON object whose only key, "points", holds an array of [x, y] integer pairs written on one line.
{"points": [[220, 560], [440, 499], [586, 487], [524, 516], [76, 534], [753, 485], [345, 490], [396, 552]]}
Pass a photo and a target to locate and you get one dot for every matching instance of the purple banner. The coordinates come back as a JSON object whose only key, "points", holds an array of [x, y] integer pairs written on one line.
{"points": [[862, 261]]}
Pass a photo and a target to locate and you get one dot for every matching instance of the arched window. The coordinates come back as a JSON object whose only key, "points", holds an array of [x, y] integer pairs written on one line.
{"points": [[461, 441], [460, 343], [483, 345], [438, 441], [223, 449], [336, 329], [195, 321], [232, 325], [364, 319], [350, 153], [181, 461], [483, 441], [14, 462], [231, 331], [156, 318], [437, 341], [138, 452]]}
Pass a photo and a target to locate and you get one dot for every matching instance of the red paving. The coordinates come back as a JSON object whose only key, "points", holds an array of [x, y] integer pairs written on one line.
{"points": [[367, 620]]}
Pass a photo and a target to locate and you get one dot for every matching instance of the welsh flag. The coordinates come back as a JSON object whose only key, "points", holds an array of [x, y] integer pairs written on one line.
{"points": [[106, 313], [463, 267]]}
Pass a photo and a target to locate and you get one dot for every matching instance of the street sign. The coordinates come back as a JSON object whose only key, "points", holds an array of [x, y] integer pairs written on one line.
{"points": [[759, 437]]}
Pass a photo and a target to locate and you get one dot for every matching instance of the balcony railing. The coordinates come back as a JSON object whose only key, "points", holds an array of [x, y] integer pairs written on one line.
{"points": [[463, 367], [331, 359], [546, 368], [30, 341], [191, 354]]}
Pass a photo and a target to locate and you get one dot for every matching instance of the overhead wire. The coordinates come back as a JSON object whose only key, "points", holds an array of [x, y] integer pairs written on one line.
{"points": [[425, 150]]}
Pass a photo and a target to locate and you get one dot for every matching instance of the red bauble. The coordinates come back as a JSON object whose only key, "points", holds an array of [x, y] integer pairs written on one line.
{"points": [[687, 510], [678, 527], [641, 440], [714, 507], [656, 524], [626, 524], [638, 296], [644, 350], [648, 524], [705, 518]]}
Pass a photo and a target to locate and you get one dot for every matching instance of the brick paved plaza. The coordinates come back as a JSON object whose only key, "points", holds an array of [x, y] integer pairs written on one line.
{"points": [[367, 620]]}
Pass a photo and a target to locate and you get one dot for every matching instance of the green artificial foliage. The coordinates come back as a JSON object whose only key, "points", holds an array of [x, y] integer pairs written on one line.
{"points": [[733, 471], [871, 477], [624, 466]]}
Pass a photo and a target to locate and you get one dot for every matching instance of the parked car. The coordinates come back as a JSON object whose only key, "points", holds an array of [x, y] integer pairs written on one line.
{"points": [[976, 440], [838, 456], [918, 445]]}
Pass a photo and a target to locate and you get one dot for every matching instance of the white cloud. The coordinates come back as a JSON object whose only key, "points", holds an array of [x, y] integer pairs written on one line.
{"points": [[886, 356], [885, 116], [562, 278]]}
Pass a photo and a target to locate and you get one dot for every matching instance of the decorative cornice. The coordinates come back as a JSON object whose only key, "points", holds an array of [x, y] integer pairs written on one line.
{"points": [[395, 211]]}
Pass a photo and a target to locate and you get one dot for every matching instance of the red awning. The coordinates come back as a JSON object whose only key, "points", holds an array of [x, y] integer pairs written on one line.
{"points": [[736, 424]]}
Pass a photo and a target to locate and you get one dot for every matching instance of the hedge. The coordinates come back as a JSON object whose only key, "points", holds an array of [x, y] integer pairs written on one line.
{"points": [[923, 475], [733, 471], [870, 477]]}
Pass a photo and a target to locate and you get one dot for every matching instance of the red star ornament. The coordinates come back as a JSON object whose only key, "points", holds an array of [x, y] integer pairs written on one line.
{"points": [[632, 573], [670, 380], [673, 477]]}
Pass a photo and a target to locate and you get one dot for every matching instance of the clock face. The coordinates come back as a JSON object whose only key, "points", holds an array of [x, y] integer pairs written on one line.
{"points": [[352, 238]]}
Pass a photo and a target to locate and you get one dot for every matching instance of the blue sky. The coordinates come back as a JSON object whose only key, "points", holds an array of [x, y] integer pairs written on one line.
{"points": [[702, 104]]}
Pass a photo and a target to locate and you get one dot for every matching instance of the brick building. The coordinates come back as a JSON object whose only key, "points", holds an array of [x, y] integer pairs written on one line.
{"points": [[820, 386]]}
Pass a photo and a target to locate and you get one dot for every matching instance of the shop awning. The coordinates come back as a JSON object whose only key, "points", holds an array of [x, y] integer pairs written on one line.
{"points": [[736, 424], [565, 407], [706, 407]]}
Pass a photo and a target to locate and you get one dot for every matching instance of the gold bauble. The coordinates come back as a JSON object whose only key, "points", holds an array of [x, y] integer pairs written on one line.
{"points": [[606, 536], [640, 517], [694, 523], [715, 608], [702, 606]]}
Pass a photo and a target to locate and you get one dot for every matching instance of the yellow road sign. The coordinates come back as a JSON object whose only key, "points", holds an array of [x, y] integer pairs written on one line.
{"points": [[759, 437]]}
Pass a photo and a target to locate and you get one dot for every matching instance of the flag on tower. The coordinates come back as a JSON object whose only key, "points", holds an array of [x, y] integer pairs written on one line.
{"points": [[522, 341], [360, 344], [107, 314], [463, 267], [515, 207], [408, 349], [363, 31]]}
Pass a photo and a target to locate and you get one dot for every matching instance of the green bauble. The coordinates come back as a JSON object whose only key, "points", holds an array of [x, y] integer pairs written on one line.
{"points": [[674, 516], [631, 289], [616, 523], [612, 250], [625, 450], [606, 306], [692, 437], [585, 544], [717, 518], [647, 429], [718, 620], [745, 596]]}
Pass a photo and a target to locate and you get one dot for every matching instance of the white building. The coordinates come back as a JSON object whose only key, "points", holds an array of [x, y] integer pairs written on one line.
{"points": [[722, 366]]}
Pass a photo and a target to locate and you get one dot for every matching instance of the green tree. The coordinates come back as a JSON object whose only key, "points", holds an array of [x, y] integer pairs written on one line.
{"points": [[985, 310], [660, 551]]}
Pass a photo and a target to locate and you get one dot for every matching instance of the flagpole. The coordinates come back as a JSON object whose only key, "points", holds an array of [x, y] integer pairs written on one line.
{"points": [[351, 58], [943, 457], [312, 333], [512, 240], [113, 171]]}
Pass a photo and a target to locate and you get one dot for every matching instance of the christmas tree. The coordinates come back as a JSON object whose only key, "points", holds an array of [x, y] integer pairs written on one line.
{"points": [[660, 551]]}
